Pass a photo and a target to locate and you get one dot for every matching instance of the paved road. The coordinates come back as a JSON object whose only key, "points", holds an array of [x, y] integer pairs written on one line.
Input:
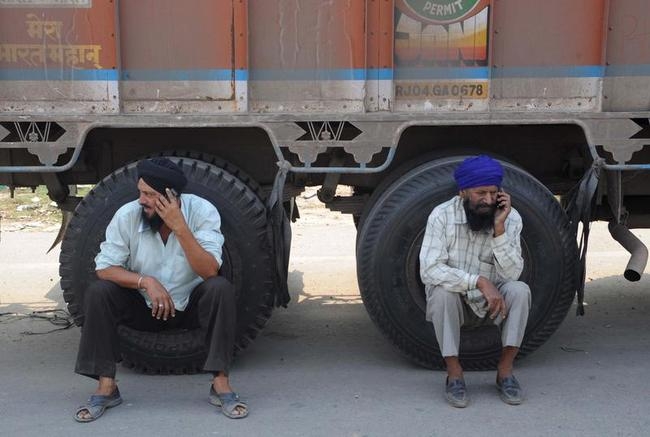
{"points": [[321, 368]]}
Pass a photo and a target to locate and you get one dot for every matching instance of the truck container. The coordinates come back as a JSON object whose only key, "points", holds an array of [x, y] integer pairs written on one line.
{"points": [[258, 99]]}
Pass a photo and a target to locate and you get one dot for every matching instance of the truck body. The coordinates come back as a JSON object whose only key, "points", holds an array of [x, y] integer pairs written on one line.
{"points": [[384, 96]]}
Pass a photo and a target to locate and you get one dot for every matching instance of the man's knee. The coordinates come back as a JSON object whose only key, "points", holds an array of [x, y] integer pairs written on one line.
{"points": [[517, 293], [98, 292], [220, 287], [443, 300]]}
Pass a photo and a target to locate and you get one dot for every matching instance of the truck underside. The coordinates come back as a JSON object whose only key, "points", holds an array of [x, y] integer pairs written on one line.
{"points": [[545, 163]]}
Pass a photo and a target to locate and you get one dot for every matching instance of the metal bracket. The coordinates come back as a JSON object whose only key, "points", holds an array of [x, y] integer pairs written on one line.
{"points": [[47, 140], [615, 195], [362, 141]]}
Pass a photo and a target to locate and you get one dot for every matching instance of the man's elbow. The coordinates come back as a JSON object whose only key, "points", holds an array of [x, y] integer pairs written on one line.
{"points": [[212, 270], [515, 273], [102, 273]]}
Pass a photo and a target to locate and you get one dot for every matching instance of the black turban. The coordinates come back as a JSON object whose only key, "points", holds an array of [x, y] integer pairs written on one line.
{"points": [[161, 173]]}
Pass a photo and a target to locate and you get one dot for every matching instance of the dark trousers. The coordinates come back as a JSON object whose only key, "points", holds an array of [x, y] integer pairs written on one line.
{"points": [[211, 308]]}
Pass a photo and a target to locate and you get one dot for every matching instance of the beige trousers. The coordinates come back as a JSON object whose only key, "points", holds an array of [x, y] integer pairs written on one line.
{"points": [[449, 312]]}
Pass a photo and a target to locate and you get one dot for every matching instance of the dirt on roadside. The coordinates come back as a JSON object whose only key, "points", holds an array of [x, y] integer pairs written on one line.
{"points": [[28, 209], [32, 210]]}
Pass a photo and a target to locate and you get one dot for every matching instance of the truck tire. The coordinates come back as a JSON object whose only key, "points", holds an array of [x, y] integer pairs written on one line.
{"points": [[388, 247], [247, 262]]}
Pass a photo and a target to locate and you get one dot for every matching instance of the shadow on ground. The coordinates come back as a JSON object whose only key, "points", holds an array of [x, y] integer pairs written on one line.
{"points": [[323, 329]]}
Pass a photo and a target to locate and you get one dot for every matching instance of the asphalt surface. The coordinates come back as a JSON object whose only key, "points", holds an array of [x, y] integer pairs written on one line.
{"points": [[321, 368]]}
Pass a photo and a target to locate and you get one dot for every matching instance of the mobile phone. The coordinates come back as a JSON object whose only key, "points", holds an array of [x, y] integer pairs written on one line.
{"points": [[174, 194], [500, 205]]}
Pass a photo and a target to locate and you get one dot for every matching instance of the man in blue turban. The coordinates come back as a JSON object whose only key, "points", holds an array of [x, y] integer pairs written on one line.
{"points": [[470, 264]]}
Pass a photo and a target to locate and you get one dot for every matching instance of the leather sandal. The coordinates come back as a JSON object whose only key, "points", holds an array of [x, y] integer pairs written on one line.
{"points": [[229, 402], [510, 391], [456, 393], [97, 405]]}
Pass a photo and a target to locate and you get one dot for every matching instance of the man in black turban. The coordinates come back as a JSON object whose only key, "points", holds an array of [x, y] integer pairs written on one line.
{"points": [[161, 174], [470, 264], [158, 269]]}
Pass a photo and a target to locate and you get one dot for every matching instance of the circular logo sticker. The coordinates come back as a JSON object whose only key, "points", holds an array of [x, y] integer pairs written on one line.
{"points": [[440, 11]]}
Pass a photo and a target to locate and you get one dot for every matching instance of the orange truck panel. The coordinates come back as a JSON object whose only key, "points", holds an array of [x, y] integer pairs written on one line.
{"points": [[205, 56]]}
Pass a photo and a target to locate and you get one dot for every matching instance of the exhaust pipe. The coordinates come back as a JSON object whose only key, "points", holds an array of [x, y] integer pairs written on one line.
{"points": [[632, 244]]}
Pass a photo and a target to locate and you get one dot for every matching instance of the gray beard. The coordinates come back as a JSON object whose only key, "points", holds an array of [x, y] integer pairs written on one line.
{"points": [[479, 221]]}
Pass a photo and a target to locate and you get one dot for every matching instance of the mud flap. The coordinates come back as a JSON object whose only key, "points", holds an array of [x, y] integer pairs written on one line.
{"points": [[66, 216], [67, 208], [279, 235], [579, 210]]}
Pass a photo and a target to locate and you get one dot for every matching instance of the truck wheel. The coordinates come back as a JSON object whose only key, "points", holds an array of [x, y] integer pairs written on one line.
{"points": [[247, 262], [388, 247]]}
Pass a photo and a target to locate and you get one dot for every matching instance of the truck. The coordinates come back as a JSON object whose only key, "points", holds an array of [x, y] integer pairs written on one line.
{"points": [[258, 99]]}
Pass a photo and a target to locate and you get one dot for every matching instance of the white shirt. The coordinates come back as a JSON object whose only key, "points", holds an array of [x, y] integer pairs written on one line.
{"points": [[130, 243], [453, 256]]}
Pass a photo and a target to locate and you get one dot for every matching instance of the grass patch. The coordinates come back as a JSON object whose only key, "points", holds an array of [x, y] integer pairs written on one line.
{"points": [[32, 206]]}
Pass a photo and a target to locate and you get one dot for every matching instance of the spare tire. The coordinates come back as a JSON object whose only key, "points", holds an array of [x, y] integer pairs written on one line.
{"points": [[247, 262], [388, 247]]}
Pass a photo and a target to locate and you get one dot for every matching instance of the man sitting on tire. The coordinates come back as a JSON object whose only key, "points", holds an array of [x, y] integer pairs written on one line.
{"points": [[158, 270], [470, 263]]}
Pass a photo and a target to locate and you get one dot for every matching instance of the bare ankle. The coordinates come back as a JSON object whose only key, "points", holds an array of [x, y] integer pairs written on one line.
{"points": [[506, 362], [454, 369], [504, 372], [106, 385], [221, 383]]}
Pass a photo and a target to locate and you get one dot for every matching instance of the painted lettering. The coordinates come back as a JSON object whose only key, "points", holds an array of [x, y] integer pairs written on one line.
{"points": [[36, 28], [440, 11], [35, 54], [441, 90]]}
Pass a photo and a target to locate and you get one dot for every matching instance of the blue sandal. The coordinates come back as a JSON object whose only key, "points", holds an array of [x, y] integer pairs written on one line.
{"points": [[228, 402], [456, 393], [509, 390], [97, 404]]}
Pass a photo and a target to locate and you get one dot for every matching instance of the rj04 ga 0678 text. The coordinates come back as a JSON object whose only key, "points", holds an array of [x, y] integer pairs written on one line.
{"points": [[441, 90]]}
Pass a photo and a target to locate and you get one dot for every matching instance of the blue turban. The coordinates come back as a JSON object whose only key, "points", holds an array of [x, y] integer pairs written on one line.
{"points": [[479, 171]]}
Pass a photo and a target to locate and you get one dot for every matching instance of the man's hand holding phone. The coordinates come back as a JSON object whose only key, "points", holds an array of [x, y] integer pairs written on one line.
{"points": [[503, 209], [168, 207]]}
